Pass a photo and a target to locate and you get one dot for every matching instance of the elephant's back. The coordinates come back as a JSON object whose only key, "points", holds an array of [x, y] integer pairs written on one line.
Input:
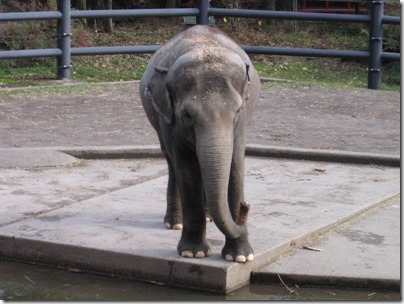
{"points": [[196, 38]]}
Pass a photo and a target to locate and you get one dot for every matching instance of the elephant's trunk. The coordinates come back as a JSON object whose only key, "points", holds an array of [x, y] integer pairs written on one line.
{"points": [[215, 156]]}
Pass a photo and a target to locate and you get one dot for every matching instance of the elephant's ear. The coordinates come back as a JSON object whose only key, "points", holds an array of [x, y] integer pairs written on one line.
{"points": [[160, 97]]}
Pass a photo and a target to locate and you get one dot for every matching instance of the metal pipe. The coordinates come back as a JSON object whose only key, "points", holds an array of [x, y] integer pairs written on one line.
{"points": [[391, 20], [14, 54], [287, 15], [63, 40], [30, 16], [268, 50], [166, 12], [110, 50], [375, 45], [391, 56], [203, 17]]}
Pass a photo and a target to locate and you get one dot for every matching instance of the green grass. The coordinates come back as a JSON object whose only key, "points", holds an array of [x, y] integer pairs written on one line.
{"points": [[108, 68], [11, 73], [321, 71], [325, 71]]}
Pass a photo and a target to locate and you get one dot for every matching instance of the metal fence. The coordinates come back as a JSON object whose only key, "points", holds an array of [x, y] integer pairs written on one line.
{"points": [[64, 51]]}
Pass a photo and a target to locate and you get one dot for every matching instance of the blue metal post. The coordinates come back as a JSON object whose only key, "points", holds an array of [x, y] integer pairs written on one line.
{"points": [[63, 39], [203, 17], [375, 44]]}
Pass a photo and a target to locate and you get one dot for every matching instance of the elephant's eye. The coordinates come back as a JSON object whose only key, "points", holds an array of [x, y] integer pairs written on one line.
{"points": [[187, 117]]}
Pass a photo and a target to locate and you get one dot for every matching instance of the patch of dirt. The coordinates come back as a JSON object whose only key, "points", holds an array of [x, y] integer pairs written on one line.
{"points": [[287, 115]]}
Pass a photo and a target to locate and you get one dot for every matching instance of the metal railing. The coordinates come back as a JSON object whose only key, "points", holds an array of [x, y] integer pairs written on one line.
{"points": [[64, 51]]}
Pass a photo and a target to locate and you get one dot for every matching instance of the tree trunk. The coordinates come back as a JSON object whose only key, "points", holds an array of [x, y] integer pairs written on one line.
{"points": [[171, 3], [82, 5], [110, 25], [272, 7]]}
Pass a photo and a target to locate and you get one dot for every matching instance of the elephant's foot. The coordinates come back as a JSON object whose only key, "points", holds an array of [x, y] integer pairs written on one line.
{"points": [[173, 222], [240, 258], [238, 250], [198, 254], [190, 248]]}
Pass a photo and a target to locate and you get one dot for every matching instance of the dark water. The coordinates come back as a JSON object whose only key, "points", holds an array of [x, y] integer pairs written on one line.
{"points": [[23, 282]]}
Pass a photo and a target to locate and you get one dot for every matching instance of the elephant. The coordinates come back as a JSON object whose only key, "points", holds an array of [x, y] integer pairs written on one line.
{"points": [[198, 91]]}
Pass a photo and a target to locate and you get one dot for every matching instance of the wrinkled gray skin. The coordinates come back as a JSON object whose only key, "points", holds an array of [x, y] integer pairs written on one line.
{"points": [[198, 92]]}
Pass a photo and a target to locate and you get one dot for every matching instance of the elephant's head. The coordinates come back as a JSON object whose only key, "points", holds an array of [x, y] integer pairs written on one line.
{"points": [[203, 97]]}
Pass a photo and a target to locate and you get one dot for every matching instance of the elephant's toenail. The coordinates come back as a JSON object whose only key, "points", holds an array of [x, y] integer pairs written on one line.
{"points": [[177, 227], [229, 258], [187, 254], [240, 259], [200, 254], [167, 225], [250, 257]]}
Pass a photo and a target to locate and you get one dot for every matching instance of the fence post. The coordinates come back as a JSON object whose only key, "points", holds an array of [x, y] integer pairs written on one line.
{"points": [[203, 17], [63, 39], [375, 44]]}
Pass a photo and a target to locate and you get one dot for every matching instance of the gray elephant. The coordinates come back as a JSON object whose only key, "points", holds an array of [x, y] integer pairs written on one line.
{"points": [[198, 91]]}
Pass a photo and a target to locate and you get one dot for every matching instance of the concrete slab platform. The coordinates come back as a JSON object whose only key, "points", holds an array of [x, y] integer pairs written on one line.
{"points": [[364, 254], [26, 158], [30, 192], [118, 227]]}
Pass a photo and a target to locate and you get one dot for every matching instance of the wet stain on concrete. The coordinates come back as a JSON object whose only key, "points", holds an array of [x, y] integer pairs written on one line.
{"points": [[171, 265], [363, 237], [50, 218], [197, 269]]}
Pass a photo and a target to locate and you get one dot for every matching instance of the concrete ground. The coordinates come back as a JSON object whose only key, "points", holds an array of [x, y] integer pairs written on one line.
{"points": [[311, 221]]}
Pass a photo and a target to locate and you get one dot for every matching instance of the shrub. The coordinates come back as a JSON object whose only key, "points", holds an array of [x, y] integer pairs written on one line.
{"points": [[391, 41], [24, 35]]}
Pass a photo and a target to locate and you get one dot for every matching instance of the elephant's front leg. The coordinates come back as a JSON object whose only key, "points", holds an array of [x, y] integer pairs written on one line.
{"points": [[193, 239]]}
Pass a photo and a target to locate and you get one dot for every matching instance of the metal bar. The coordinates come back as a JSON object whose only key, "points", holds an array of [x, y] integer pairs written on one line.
{"points": [[166, 12], [391, 20], [391, 56], [191, 12], [30, 16], [63, 40], [203, 16], [14, 54], [306, 52], [287, 15], [375, 45], [110, 50]]}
